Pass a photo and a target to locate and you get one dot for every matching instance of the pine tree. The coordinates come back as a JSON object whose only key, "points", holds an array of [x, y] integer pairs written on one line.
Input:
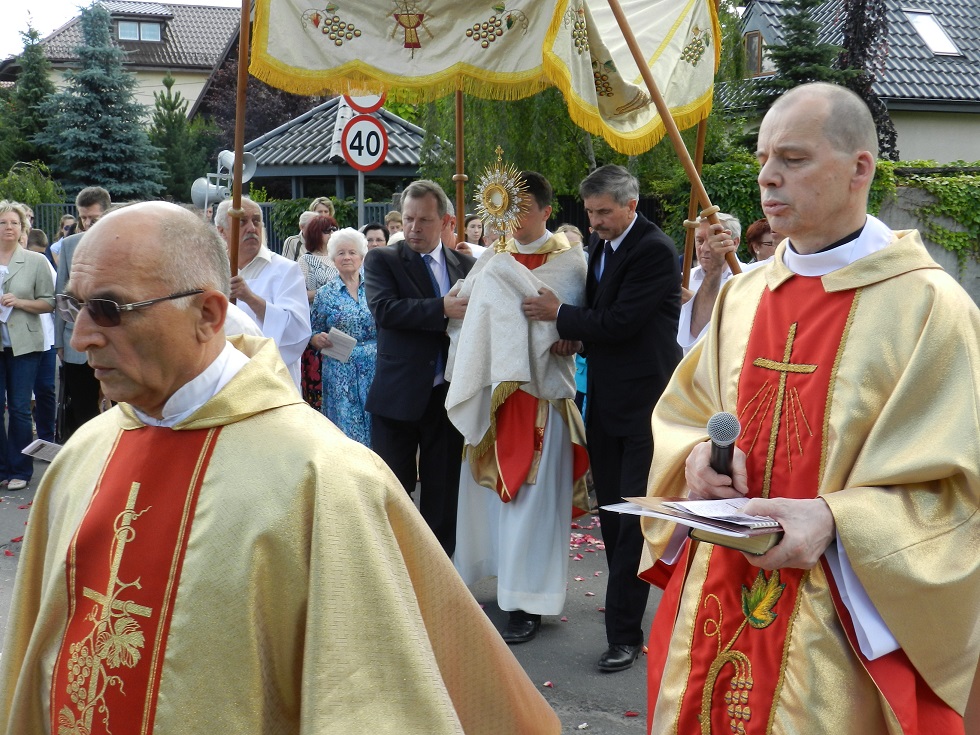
{"points": [[183, 144], [95, 127], [33, 87], [801, 58]]}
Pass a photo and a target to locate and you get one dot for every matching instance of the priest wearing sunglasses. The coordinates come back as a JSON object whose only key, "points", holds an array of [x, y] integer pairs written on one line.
{"points": [[165, 588]]}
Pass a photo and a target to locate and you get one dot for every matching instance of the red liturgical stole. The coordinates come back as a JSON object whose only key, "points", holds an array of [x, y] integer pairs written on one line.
{"points": [[123, 570], [746, 615]]}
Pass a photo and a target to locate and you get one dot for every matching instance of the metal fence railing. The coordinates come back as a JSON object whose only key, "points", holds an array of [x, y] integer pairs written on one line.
{"points": [[47, 217]]}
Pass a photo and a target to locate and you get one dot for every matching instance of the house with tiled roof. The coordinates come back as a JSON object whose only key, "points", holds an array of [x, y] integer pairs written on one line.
{"points": [[188, 41], [929, 75]]}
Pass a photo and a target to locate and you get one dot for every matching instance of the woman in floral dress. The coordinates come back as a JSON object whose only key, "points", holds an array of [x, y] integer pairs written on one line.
{"points": [[342, 304]]}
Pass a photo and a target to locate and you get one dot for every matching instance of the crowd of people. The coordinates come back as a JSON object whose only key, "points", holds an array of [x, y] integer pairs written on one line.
{"points": [[459, 365]]}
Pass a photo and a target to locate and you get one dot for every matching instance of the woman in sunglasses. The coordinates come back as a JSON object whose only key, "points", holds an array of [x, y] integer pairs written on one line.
{"points": [[28, 291]]}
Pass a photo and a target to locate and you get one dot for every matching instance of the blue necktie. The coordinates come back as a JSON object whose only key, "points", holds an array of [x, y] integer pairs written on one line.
{"points": [[607, 252], [430, 263], [430, 266]]}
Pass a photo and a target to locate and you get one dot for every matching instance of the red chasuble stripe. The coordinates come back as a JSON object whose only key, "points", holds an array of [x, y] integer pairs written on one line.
{"points": [[745, 616], [124, 566]]}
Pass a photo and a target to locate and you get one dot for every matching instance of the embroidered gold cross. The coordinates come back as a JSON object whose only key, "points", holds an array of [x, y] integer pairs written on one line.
{"points": [[783, 368], [124, 533]]}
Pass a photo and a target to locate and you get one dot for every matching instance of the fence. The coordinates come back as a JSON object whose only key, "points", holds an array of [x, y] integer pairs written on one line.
{"points": [[47, 217]]}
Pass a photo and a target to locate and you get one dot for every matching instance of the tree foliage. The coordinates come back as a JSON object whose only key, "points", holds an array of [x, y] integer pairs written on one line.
{"points": [[22, 115], [94, 127], [31, 184], [183, 145], [266, 108], [801, 58], [865, 29]]}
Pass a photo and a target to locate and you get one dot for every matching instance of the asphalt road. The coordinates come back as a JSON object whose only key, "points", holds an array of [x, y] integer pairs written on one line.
{"points": [[560, 661]]}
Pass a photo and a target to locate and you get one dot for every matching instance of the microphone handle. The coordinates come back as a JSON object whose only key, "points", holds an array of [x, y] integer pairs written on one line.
{"points": [[721, 458]]}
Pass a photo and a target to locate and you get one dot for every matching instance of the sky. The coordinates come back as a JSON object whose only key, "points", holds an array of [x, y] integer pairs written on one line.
{"points": [[49, 15]]}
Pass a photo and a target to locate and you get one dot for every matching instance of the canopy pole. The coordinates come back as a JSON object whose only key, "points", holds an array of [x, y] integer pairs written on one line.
{"points": [[235, 212], [692, 205], [668, 121], [460, 178]]}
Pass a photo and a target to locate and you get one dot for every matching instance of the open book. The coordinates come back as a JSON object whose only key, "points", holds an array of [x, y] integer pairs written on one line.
{"points": [[718, 522]]}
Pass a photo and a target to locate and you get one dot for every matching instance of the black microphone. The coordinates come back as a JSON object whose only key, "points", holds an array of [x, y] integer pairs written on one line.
{"points": [[723, 430]]}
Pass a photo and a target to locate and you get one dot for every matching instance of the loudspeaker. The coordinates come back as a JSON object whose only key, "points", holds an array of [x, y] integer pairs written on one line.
{"points": [[202, 192], [226, 161]]}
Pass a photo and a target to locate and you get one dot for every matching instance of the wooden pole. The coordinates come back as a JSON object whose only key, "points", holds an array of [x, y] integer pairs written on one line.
{"points": [[460, 178], [236, 188], [692, 205], [673, 133]]}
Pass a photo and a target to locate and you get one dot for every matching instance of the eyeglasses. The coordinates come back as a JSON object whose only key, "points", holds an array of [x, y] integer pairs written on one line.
{"points": [[331, 229], [108, 313]]}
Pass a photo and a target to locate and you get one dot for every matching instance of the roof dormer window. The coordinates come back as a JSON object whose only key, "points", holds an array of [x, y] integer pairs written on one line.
{"points": [[131, 30], [932, 33]]}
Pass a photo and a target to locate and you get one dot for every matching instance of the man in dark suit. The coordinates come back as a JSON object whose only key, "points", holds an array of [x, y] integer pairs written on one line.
{"points": [[629, 331], [407, 288], [79, 399]]}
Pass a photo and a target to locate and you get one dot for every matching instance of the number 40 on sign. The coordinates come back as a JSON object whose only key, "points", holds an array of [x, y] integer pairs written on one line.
{"points": [[364, 143]]}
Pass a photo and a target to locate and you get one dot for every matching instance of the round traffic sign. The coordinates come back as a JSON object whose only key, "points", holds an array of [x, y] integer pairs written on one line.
{"points": [[365, 103], [364, 143]]}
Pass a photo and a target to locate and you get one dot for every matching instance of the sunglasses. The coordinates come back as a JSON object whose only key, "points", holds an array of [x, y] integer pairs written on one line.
{"points": [[107, 313]]}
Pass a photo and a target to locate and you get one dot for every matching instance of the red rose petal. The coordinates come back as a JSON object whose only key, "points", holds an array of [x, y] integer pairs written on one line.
{"points": [[17, 540], [579, 579], [8, 552], [549, 685], [590, 594], [564, 619], [630, 713]]}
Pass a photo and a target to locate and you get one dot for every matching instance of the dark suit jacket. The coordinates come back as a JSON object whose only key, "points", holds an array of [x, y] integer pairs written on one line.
{"points": [[411, 327], [629, 328]]}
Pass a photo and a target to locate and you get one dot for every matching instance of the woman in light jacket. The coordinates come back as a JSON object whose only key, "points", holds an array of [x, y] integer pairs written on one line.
{"points": [[27, 292]]}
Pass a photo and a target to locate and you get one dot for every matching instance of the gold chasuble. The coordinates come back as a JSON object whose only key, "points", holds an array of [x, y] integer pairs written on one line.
{"points": [[250, 571], [828, 409]]}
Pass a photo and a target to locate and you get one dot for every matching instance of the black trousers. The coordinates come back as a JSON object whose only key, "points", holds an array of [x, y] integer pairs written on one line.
{"points": [[79, 398], [439, 447], [620, 466]]}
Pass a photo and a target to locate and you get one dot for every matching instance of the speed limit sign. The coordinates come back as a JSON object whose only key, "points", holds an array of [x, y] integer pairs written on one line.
{"points": [[364, 143]]}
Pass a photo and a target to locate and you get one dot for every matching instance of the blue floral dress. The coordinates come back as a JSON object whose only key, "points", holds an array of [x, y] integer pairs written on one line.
{"points": [[346, 384]]}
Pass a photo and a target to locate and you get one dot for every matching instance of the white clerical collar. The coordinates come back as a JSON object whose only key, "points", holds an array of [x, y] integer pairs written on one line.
{"points": [[875, 236], [199, 390], [619, 240], [256, 264], [533, 247]]}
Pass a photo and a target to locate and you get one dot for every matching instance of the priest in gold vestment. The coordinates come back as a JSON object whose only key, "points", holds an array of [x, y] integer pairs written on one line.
{"points": [[212, 556], [853, 365]]}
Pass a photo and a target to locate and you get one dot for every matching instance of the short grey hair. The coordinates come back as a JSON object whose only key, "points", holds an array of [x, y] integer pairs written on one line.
{"points": [[306, 217], [849, 125], [193, 255], [613, 180], [424, 187], [347, 236], [221, 213]]}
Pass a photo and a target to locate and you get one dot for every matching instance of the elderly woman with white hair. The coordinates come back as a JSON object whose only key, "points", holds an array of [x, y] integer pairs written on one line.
{"points": [[342, 305]]}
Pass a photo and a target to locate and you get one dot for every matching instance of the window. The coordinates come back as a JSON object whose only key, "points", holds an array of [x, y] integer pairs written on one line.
{"points": [[131, 30], [932, 33], [149, 31], [753, 53]]}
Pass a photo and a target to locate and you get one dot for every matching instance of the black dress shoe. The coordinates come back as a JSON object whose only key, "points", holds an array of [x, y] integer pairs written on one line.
{"points": [[521, 627], [618, 657]]}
